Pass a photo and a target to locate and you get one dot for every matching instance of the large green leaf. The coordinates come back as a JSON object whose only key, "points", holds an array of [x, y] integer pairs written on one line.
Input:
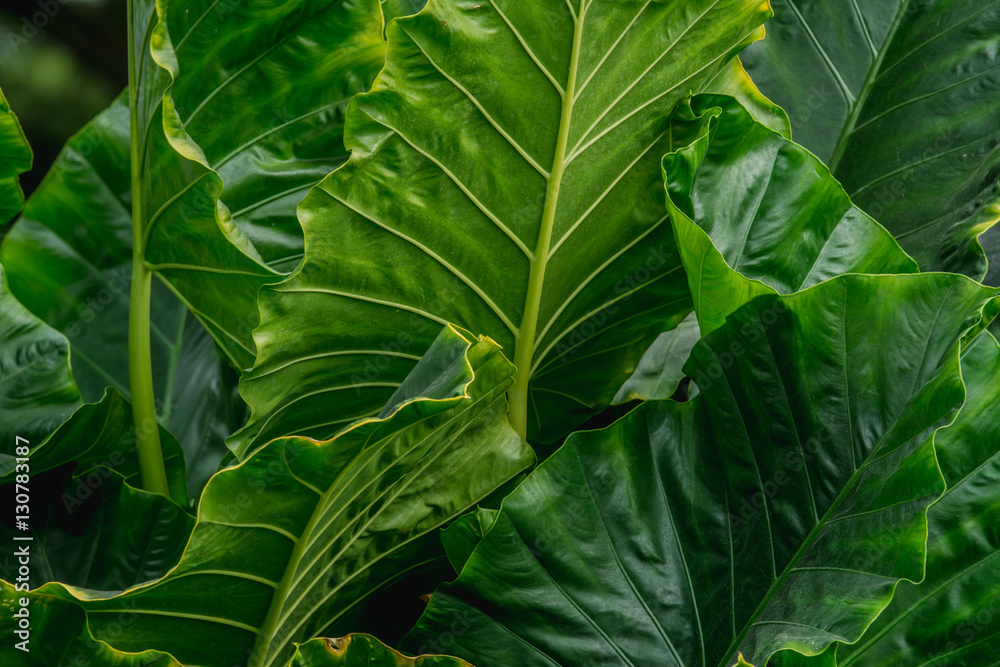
{"points": [[15, 159], [755, 213], [296, 536], [360, 650], [68, 642], [69, 262], [777, 510], [900, 97], [303, 61], [502, 177], [953, 617], [37, 392]]}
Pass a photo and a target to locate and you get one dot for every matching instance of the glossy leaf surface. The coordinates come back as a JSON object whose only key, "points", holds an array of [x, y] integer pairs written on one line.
{"points": [[661, 368], [776, 510], [95, 531], [37, 392], [15, 159], [900, 98], [755, 213], [303, 531], [502, 178], [951, 617]]}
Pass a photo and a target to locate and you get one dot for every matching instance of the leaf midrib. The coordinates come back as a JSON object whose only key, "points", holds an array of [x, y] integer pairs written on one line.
{"points": [[524, 340], [873, 73]]}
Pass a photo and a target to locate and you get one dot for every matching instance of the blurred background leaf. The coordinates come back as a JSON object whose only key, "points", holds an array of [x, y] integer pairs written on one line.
{"points": [[60, 64]]}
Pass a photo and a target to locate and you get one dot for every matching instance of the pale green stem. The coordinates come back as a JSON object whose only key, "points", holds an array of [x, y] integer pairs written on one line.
{"points": [[524, 347], [140, 367]]}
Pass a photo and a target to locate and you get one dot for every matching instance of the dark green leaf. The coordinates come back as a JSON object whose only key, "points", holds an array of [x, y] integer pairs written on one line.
{"points": [[661, 368], [100, 434], [37, 392], [900, 97], [953, 616], [69, 262], [95, 531], [776, 510], [68, 642], [15, 160], [460, 538]]}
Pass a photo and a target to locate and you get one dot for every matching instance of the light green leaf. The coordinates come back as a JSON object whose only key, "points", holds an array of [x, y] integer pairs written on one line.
{"points": [[900, 98], [755, 213], [503, 178], [15, 160], [306, 59], [776, 510], [394, 8], [296, 536], [360, 650]]}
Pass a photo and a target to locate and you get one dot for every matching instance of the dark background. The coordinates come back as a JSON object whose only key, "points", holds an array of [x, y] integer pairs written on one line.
{"points": [[60, 64]]}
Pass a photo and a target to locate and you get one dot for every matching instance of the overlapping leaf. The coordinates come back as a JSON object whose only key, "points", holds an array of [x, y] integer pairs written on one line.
{"points": [[69, 262], [900, 98], [95, 531], [37, 392], [297, 535], [359, 650], [953, 616], [777, 510], [15, 159], [100, 434], [755, 213], [502, 177], [67, 639]]}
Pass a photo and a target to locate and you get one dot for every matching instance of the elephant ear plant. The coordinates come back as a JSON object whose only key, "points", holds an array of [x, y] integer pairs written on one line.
{"points": [[494, 332]]}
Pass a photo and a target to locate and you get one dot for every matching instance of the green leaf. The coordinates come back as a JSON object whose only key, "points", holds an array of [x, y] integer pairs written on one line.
{"points": [[661, 368], [900, 98], [99, 434], [502, 177], [212, 244], [69, 258], [37, 392], [953, 616], [68, 641], [395, 8], [776, 510], [15, 160], [755, 213], [293, 538], [460, 538], [95, 531], [360, 650]]}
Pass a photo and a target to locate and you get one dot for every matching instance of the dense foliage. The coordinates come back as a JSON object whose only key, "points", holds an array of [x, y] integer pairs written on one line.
{"points": [[508, 333]]}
